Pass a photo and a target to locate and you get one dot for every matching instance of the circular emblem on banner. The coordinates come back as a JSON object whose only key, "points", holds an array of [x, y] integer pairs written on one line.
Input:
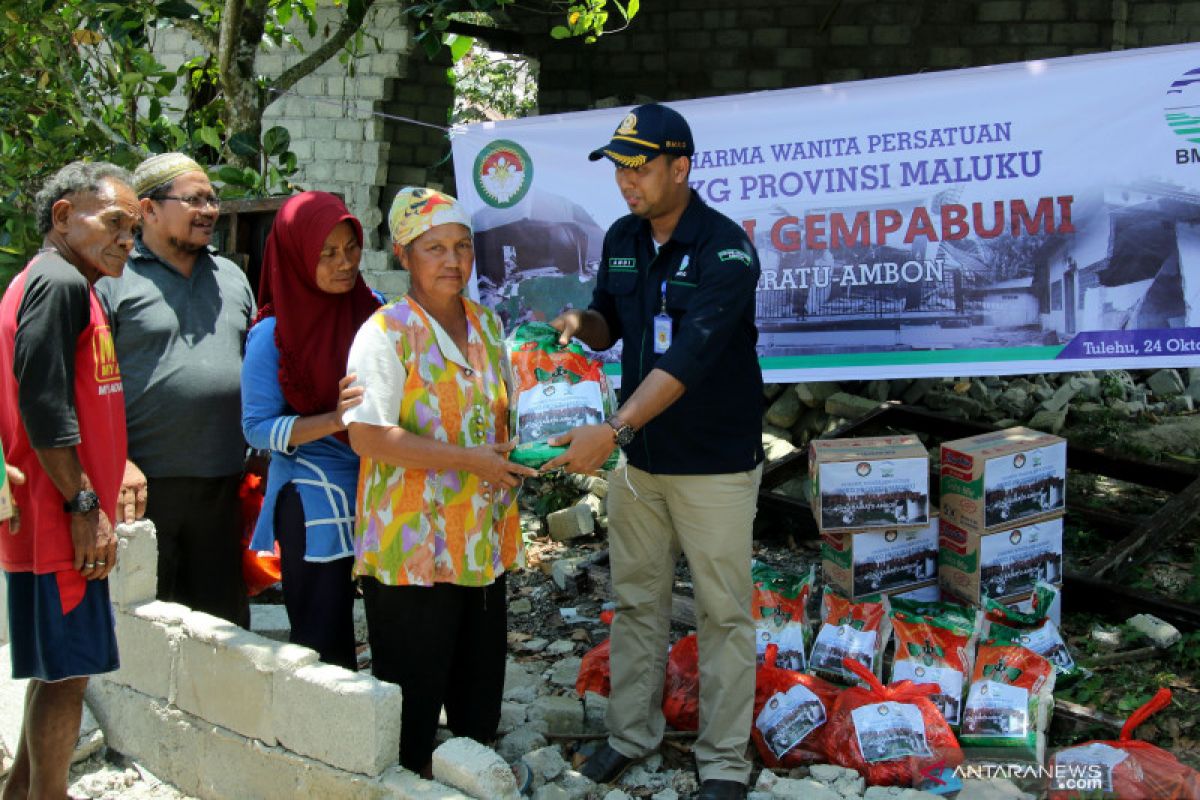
{"points": [[1015, 536], [863, 469], [1019, 460], [891, 536], [503, 172], [883, 710], [1183, 95]]}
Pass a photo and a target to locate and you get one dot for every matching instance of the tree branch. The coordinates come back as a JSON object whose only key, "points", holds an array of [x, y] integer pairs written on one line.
{"points": [[227, 42], [350, 25], [85, 108], [200, 33]]}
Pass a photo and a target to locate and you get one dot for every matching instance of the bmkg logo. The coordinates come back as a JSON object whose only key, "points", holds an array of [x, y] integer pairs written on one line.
{"points": [[1181, 107]]}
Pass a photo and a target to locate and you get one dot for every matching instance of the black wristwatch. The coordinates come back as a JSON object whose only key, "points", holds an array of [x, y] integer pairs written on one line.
{"points": [[83, 502], [622, 434]]}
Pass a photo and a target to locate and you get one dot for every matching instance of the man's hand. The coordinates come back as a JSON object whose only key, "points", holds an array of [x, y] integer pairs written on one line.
{"points": [[567, 324], [95, 544], [131, 503], [15, 476], [588, 447]]}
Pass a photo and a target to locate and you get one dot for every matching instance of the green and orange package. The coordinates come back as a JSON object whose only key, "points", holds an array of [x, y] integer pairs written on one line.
{"points": [[935, 647], [779, 606], [858, 631], [554, 388], [1009, 703]]}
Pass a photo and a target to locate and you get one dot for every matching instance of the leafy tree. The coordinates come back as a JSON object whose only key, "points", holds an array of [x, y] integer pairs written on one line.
{"points": [[79, 78]]}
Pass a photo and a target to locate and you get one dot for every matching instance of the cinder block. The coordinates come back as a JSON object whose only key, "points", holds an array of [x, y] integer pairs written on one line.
{"points": [[233, 766], [346, 719], [571, 523], [135, 578], [405, 785], [148, 640], [164, 739], [226, 674], [475, 769]]}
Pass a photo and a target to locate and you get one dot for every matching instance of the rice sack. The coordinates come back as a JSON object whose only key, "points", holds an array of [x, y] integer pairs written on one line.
{"points": [[859, 631], [779, 605], [1034, 630], [554, 389], [935, 648], [1009, 702]]}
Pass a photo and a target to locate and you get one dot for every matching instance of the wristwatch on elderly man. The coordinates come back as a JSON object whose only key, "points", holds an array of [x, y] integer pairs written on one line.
{"points": [[622, 434], [85, 501]]}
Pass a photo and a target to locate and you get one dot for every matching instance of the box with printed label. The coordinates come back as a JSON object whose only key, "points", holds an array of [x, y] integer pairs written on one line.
{"points": [[995, 480], [879, 561], [1000, 564], [874, 482]]}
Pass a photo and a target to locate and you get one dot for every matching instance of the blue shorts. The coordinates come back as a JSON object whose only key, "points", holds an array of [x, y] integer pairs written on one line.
{"points": [[49, 645]]}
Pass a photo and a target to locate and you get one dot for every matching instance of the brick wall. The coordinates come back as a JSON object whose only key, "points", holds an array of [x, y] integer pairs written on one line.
{"points": [[680, 49], [342, 143]]}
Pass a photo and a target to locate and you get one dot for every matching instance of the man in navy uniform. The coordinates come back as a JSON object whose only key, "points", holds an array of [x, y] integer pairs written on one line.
{"points": [[676, 286]]}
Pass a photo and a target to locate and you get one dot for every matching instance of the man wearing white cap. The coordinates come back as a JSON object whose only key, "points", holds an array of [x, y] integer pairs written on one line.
{"points": [[179, 318]]}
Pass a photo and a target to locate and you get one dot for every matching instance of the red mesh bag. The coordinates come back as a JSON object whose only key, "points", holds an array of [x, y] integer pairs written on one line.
{"points": [[259, 570], [681, 691], [594, 673], [792, 732], [889, 734], [1129, 769]]}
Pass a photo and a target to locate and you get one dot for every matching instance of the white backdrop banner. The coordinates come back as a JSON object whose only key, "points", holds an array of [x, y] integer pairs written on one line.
{"points": [[1032, 217]]}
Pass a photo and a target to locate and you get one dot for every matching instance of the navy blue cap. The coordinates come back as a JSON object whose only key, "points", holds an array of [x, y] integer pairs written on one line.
{"points": [[646, 132]]}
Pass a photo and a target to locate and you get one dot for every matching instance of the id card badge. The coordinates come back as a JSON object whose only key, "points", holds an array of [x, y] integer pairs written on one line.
{"points": [[662, 333]]}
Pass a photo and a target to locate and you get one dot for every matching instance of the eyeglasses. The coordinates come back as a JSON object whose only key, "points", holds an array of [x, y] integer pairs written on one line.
{"points": [[195, 201]]}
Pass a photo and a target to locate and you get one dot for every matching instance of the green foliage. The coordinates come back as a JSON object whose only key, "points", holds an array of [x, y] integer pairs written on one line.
{"points": [[489, 85], [585, 19]]}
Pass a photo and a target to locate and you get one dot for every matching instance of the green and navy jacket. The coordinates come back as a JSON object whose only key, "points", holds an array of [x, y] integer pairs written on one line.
{"points": [[710, 270]]}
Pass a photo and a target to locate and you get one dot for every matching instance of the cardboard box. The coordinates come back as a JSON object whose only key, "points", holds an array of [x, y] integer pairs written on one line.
{"points": [[877, 562], [876, 482], [1002, 564], [996, 480]]}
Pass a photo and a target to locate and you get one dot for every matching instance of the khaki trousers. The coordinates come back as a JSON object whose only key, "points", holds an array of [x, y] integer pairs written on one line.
{"points": [[652, 518]]}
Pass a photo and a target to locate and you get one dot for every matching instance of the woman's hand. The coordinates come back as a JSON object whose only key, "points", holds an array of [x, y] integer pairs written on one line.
{"points": [[490, 462], [349, 396]]}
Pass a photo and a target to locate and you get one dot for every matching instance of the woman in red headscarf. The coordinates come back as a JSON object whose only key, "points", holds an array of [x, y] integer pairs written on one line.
{"points": [[294, 391]]}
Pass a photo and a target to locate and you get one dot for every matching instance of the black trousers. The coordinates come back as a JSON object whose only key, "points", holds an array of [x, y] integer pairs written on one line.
{"points": [[318, 595], [199, 526], [445, 645]]}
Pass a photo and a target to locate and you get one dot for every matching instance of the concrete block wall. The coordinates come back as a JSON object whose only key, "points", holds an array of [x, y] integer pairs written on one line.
{"points": [[341, 141], [678, 49], [222, 712]]}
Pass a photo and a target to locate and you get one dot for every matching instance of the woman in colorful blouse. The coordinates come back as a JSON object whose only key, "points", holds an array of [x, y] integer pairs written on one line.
{"points": [[437, 518], [313, 300]]}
